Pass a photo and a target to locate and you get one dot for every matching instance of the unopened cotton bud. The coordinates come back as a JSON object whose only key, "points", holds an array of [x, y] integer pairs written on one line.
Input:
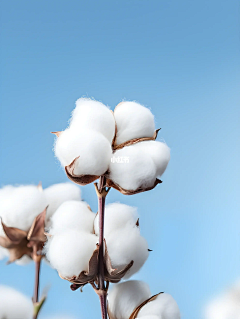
{"points": [[20, 205], [14, 305], [124, 245], [72, 215], [159, 153], [125, 297], [58, 193], [92, 148], [117, 216], [133, 121], [130, 168], [164, 306], [93, 115], [69, 252]]}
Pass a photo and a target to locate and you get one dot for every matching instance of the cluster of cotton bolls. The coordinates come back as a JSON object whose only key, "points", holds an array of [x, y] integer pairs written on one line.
{"points": [[74, 235], [126, 297], [99, 141], [21, 204], [14, 305]]}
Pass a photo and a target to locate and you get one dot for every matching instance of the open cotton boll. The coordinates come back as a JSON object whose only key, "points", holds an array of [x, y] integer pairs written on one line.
{"points": [[93, 115], [117, 216], [70, 251], [131, 168], [14, 305], [164, 306], [59, 193], [159, 152], [125, 297], [20, 205], [133, 121], [124, 245], [92, 147], [72, 215]]}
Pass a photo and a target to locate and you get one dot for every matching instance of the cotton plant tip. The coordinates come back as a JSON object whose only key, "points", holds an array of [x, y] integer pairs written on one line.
{"points": [[58, 193], [74, 215], [159, 153], [117, 216], [124, 245], [93, 115], [125, 297], [20, 205], [69, 252], [133, 121], [14, 305], [130, 168], [92, 148], [164, 306]]}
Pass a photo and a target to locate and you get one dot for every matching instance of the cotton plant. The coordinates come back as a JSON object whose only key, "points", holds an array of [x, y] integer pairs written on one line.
{"points": [[25, 211], [132, 299], [120, 149], [14, 305]]}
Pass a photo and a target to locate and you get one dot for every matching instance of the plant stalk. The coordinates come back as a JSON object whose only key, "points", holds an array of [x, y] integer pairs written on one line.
{"points": [[101, 284], [37, 259]]}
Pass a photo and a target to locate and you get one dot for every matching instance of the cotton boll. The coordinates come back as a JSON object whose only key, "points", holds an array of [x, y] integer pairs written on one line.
{"points": [[117, 216], [59, 193], [133, 121], [70, 251], [131, 168], [125, 297], [14, 305], [93, 115], [20, 205], [72, 215], [92, 147], [164, 306], [124, 245], [159, 152]]}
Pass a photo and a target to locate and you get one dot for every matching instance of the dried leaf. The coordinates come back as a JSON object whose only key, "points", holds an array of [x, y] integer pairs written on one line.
{"points": [[36, 232], [79, 179]]}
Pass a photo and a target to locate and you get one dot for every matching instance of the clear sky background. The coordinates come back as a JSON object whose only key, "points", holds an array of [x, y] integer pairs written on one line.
{"points": [[181, 59]]}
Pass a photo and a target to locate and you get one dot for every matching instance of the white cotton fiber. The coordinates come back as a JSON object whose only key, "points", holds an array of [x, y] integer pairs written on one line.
{"points": [[133, 121], [14, 305], [20, 205], [3, 252], [93, 115], [124, 245], [131, 168], [92, 147], [23, 261], [150, 317], [59, 193], [72, 215], [159, 153], [164, 306], [117, 216], [70, 251], [125, 297]]}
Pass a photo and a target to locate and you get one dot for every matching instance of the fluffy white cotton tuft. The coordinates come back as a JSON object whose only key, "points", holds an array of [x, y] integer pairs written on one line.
{"points": [[20, 205], [117, 216], [23, 261], [131, 168], [159, 153], [123, 298], [72, 215], [225, 306], [70, 251], [93, 115], [164, 306], [124, 245], [150, 317], [133, 121], [14, 305], [92, 147], [58, 193], [3, 252]]}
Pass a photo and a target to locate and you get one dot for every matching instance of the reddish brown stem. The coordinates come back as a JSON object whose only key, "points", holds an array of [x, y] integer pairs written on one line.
{"points": [[37, 275], [101, 284]]}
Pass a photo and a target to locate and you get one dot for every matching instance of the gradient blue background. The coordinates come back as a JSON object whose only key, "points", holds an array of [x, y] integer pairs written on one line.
{"points": [[181, 59]]}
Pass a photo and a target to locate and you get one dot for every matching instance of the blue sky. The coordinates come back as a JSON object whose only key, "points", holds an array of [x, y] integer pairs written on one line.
{"points": [[181, 59]]}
